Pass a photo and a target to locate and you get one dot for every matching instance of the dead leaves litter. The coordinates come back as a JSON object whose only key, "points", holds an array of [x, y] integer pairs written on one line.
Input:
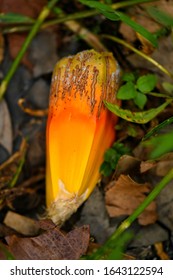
{"points": [[125, 195], [51, 244]]}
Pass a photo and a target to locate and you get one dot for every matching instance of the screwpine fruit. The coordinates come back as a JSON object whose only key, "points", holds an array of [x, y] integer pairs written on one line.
{"points": [[79, 128]]}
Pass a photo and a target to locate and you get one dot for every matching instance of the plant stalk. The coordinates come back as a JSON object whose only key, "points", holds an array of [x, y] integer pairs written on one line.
{"points": [[93, 12], [99, 254], [151, 60], [78, 15]]}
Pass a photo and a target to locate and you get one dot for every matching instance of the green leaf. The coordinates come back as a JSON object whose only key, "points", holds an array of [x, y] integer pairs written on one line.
{"points": [[105, 169], [109, 13], [109, 2], [111, 157], [120, 148], [160, 145], [160, 16], [128, 77], [113, 248], [106, 10], [157, 128], [138, 28], [116, 249], [146, 83], [140, 100], [168, 87], [136, 117], [15, 18], [127, 91], [6, 252]]}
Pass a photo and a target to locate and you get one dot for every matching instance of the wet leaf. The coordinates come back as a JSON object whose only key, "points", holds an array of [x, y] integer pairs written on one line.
{"points": [[125, 195], [52, 244], [136, 117]]}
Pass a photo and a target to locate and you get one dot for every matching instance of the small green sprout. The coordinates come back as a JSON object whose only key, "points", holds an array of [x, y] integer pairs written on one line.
{"points": [[137, 88], [111, 158]]}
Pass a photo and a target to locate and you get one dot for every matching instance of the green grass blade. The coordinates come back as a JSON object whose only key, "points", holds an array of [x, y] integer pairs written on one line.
{"points": [[15, 18], [160, 16]]}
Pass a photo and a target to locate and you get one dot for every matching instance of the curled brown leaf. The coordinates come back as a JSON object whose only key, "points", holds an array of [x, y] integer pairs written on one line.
{"points": [[125, 195]]}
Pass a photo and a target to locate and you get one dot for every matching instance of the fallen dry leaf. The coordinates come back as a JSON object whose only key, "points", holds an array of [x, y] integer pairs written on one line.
{"points": [[126, 165], [1, 47], [52, 244], [5, 127], [25, 7], [164, 164], [124, 196], [159, 167], [147, 165], [160, 251]]}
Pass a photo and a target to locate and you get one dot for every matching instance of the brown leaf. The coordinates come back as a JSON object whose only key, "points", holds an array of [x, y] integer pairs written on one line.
{"points": [[1, 47], [164, 164], [158, 167], [25, 7], [146, 165], [160, 251], [126, 165], [125, 196], [15, 42], [5, 127], [52, 244]]}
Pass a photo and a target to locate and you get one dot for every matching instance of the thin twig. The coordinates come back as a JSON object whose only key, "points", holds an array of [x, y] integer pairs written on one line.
{"points": [[90, 38], [151, 60]]}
